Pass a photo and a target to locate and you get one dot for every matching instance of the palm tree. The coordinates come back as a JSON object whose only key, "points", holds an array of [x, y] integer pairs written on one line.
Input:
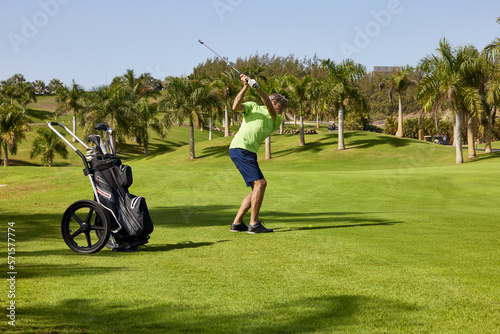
{"points": [[278, 85], [299, 89], [9, 91], [474, 69], [143, 86], [40, 88], [343, 90], [26, 95], [390, 125], [148, 120], [316, 96], [48, 144], [13, 125], [493, 101], [228, 83], [398, 83], [446, 86], [189, 99], [256, 72], [53, 85], [113, 105], [69, 99], [491, 89], [492, 50], [218, 89]]}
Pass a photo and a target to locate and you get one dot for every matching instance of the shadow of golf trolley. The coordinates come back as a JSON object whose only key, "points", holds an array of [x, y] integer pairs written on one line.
{"points": [[115, 218]]}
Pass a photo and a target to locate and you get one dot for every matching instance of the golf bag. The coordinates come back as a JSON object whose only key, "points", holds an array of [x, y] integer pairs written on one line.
{"points": [[131, 223]]}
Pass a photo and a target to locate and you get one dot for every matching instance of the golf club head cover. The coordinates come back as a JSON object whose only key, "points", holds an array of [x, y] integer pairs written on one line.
{"points": [[253, 83]]}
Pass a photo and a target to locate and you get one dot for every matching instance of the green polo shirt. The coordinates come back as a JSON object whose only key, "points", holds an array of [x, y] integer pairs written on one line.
{"points": [[257, 125]]}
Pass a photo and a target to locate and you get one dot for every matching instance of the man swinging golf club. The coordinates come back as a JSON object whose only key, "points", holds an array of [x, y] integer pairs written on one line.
{"points": [[258, 123]]}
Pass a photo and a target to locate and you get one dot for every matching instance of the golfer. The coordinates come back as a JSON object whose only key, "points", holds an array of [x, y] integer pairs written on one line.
{"points": [[258, 123]]}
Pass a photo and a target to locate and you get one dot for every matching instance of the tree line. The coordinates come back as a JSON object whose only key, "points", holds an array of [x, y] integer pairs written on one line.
{"points": [[462, 82]]}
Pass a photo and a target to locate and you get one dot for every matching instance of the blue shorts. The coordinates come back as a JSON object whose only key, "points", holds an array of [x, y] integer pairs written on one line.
{"points": [[246, 162]]}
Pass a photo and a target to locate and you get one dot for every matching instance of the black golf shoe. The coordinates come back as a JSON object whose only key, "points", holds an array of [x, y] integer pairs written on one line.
{"points": [[258, 228], [241, 227]]}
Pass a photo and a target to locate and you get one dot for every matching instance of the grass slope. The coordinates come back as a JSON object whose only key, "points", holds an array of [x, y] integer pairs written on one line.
{"points": [[389, 236]]}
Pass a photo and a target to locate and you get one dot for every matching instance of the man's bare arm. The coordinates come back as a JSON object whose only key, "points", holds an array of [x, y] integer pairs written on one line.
{"points": [[267, 103], [238, 100]]}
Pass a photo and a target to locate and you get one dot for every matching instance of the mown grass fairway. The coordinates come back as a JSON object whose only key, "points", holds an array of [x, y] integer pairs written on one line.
{"points": [[389, 236]]}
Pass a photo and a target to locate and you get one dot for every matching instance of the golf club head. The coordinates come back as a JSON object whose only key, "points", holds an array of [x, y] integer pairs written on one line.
{"points": [[201, 42], [99, 144], [101, 126]]}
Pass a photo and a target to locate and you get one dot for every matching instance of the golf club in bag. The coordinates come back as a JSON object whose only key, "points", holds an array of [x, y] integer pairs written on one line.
{"points": [[115, 218]]}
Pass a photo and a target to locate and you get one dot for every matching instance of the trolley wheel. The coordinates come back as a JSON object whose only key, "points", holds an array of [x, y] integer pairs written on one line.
{"points": [[85, 227]]}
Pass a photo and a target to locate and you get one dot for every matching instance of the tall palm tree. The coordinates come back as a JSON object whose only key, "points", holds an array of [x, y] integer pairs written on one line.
{"points": [[218, 89], [48, 144], [474, 70], [69, 99], [491, 55], [398, 83], [26, 95], [13, 125], [189, 99], [493, 100], [299, 89], [228, 82], [446, 86], [316, 96], [343, 89]]}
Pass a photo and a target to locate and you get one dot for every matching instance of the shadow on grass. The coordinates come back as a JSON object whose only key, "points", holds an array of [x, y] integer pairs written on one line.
{"points": [[351, 141], [381, 140], [36, 271], [15, 162], [217, 215], [38, 115], [328, 313], [291, 229], [36, 226], [156, 147], [180, 245], [215, 151], [64, 270], [484, 156], [315, 146]]}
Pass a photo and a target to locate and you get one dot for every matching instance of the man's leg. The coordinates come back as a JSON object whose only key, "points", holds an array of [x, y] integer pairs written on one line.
{"points": [[253, 200], [245, 206], [257, 197]]}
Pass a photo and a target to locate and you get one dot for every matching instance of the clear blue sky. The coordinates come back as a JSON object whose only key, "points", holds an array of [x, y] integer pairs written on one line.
{"points": [[93, 41]]}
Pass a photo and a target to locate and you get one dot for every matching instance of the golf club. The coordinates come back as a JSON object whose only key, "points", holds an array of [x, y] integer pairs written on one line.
{"points": [[251, 82], [221, 58], [108, 131]]}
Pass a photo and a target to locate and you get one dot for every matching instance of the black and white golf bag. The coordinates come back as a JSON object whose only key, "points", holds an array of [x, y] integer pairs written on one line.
{"points": [[131, 223]]}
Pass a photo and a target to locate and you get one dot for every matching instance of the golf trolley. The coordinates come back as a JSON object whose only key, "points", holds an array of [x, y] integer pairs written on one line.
{"points": [[115, 218]]}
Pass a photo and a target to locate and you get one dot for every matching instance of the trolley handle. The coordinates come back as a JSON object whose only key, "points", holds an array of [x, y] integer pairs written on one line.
{"points": [[87, 170]]}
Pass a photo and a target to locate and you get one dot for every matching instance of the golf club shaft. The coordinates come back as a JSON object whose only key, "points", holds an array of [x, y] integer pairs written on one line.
{"points": [[221, 58]]}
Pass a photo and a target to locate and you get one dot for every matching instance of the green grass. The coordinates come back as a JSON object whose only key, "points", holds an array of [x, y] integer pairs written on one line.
{"points": [[389, 236]]}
